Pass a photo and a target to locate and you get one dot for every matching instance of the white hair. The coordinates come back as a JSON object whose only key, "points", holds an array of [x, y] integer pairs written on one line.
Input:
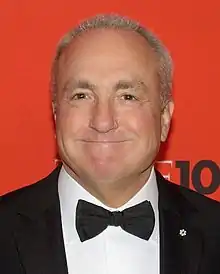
{"points": [[114, 21]]}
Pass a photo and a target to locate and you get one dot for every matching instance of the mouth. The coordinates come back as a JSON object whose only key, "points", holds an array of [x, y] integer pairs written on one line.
{"points": [[105, 141]]}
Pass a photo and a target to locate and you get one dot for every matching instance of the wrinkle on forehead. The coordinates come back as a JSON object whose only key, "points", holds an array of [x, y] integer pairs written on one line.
{"points": [[120, 84]]}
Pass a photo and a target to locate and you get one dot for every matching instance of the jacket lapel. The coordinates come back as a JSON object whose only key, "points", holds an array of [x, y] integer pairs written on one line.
{"points": [[181, 241], [170, 249], [38, 232]]}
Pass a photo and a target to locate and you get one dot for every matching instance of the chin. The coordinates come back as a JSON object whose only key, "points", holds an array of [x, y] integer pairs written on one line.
{"points": [[102, 171]]}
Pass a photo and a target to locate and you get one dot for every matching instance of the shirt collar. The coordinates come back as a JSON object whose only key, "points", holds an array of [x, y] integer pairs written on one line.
{"points": [[70, 191]]}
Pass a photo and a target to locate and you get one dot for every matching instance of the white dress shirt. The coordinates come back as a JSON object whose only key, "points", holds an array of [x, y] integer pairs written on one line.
{"points": [[114, 251]]}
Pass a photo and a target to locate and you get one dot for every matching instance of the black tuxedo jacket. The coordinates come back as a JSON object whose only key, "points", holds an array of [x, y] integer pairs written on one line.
{"points": [[31, 240]]}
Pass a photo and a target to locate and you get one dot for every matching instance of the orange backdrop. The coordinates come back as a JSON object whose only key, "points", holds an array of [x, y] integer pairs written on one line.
{"points": [[29, 32]]}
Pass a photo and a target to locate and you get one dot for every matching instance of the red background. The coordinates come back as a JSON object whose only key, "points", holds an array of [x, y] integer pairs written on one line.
{"points": [[29, 32]]}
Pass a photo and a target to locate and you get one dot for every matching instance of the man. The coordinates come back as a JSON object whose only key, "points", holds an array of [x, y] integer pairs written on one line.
{"points": [[106, 209]]}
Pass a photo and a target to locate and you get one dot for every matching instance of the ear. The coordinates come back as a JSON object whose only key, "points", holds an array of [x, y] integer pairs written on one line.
{"points": [[166, 117], [54, 111]]}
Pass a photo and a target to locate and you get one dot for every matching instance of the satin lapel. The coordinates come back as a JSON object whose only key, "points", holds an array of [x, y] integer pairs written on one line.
{"points": [[192, 247], [38, 231], [40, 244], [170, 246], [181, 241]]}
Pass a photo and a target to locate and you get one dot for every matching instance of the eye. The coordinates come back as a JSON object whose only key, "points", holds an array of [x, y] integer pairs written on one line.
{"points": [[79, 96], [129, 97]]}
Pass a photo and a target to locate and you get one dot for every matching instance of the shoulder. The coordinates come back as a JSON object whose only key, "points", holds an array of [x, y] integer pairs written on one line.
{"points": [[29, 195], [187, 196], [198, 200]]}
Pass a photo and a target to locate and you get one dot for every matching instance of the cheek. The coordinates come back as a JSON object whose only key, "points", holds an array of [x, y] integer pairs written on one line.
{"points": [[71, 121], [144, 123]]}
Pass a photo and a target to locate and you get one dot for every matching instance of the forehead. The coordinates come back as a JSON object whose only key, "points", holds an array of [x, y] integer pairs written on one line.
{"points": [[106, 52]]}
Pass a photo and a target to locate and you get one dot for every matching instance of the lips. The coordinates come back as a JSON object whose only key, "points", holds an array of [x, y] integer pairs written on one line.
{"points": [[104, 141]]}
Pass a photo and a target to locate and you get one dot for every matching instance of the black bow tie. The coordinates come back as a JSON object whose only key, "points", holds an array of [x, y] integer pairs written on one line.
{"points": [[91, 220]]}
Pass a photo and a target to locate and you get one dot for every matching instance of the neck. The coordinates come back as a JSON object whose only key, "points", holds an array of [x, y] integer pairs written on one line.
{"points": [[113, 194]]}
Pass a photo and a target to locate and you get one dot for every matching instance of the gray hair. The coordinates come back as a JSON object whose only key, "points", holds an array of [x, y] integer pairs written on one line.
{"points": [[114, 21]]}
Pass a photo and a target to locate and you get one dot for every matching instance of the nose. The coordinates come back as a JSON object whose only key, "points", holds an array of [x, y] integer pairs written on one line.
{"points": [[103, 118]]}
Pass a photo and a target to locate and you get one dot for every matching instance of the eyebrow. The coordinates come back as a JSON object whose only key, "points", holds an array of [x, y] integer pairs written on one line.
{"points": [[82, 84], [133, 84]]}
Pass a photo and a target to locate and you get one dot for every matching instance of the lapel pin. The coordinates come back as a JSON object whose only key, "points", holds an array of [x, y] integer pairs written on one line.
{"points": [[182, 232]]}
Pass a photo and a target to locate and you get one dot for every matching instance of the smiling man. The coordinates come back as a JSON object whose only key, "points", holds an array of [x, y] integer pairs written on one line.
{"points": [[106, 209], [110, 118]]}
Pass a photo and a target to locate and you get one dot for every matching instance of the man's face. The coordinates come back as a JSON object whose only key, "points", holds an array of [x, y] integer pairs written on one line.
{"points": [[109, 123]]}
